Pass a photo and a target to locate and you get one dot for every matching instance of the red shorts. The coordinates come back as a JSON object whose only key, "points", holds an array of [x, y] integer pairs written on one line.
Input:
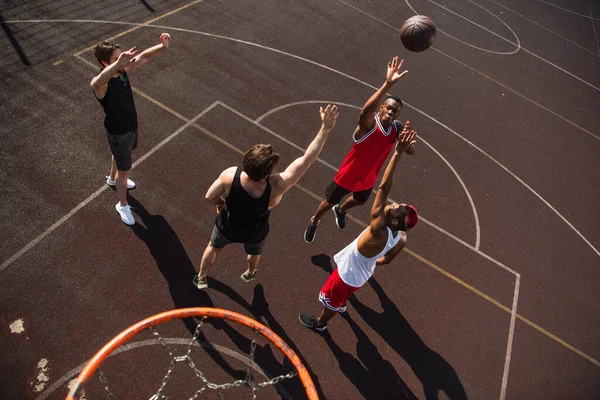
{"points": [[335, 292]]}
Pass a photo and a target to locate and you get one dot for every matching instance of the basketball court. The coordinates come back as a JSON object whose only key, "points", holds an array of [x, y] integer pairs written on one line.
{"points": [[496, 294]]}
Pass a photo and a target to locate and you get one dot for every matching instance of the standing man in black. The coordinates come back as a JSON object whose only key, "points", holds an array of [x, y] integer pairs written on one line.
{"points": [[113, 91], [245, 196]]}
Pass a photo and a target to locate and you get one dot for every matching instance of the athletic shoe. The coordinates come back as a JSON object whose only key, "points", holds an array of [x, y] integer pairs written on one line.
{"points": [[310, 321], [125, 213], [111, 183], [311, 232], [200, 282], [248, 277], [340, 219]]}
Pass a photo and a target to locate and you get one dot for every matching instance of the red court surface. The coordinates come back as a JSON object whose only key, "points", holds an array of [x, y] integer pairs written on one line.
{"points": [[496, 296]]}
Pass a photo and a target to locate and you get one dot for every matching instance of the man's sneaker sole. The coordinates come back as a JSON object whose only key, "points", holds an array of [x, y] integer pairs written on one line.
{"points": [[311, 326]]}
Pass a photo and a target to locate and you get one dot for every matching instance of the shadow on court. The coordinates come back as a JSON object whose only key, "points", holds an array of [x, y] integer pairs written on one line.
{"points": [[175, 265], [14, 42], [435, 373]]}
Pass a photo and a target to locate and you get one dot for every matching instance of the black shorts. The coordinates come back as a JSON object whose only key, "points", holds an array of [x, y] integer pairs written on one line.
{"points": [[336, 193], [121, 147], [218, 241]]}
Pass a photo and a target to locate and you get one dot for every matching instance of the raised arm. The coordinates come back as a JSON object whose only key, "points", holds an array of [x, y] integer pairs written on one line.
{"points": [[369, 109], [149, 53], [405, 139], [100, 82], [296, 169]]}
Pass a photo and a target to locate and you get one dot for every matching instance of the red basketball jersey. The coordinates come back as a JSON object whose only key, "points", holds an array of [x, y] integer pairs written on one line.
{"points": [[363, 162]]}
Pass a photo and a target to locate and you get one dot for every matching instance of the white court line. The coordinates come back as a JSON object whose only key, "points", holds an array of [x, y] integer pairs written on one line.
{"points": [[78, 207], [594, 29], [518, 44], [507, 40], [475, 216], [151, 342], [569, 11], [346, 76], [511, 334], [513, 312]]}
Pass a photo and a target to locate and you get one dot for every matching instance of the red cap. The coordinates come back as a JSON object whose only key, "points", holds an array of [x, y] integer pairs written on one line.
{"points": [[411, 218]]}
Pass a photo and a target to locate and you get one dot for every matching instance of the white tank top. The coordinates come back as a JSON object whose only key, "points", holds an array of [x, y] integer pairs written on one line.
{"points": [[354, 268]]}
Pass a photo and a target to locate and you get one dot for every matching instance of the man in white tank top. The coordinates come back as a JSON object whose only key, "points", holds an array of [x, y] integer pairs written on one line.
{"points": [[378, 244]]}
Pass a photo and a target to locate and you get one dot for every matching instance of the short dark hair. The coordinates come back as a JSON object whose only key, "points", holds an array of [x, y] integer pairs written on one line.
{"points": [[104, 51], [394, 98], [260, 161]]}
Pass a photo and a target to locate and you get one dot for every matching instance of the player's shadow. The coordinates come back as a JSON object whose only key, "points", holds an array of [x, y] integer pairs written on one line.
{"points": [[176, 267], [434, 372], [373, 376], [265, 355]]}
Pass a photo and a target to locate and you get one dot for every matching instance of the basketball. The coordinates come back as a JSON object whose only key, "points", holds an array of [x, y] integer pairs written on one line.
{"points": [[418, 33]]}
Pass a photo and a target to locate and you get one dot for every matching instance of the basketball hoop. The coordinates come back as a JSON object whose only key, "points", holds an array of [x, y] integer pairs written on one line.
{"points": [[203, 313]]}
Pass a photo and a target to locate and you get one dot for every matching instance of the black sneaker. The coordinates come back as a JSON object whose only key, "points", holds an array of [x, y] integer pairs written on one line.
{"points": [[340, 219], [310, 321], [311, 232]]}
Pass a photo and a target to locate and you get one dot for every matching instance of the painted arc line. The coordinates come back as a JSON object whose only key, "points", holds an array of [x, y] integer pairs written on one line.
{"points": [[517, 45], [473, 208], [339, 73], [78, 207], [433, 48], [152, 342], [524, 49], [543, 27], [427, 262]]}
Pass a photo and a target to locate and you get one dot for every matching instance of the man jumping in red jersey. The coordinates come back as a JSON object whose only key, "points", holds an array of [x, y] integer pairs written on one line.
{"points": [[374, 138]]}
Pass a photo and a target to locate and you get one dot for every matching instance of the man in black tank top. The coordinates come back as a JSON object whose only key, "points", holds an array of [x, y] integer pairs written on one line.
{"points": [[245, 196], [113, 91]]}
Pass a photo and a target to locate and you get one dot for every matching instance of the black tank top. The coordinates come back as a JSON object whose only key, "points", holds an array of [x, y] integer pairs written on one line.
{"points": [[245, 219], [121, 116]]}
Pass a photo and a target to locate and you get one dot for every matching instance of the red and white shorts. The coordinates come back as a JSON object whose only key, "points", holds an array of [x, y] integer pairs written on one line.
{"points": [[335, 292]]}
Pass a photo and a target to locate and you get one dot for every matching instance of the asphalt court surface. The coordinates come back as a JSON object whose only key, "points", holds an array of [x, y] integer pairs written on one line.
{"points": [[439, 317]]}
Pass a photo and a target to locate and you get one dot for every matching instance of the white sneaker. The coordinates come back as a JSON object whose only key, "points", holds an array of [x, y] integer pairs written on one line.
{"points": [[111, 183], [125, 213]]}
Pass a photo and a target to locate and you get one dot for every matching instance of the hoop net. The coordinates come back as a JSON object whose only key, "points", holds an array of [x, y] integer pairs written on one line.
{"points": [[204, 313]]}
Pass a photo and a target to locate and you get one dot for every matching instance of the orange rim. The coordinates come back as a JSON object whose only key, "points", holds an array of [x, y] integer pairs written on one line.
{"points": [[209, 312]]}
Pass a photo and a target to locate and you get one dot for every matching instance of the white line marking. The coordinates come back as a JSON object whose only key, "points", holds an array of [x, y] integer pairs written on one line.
{"points": [[594, 29], [511, 334], [151, 342], [336, 72], [517, 45], [569, 11], [62, 220], [511, 328], [475, 216]]}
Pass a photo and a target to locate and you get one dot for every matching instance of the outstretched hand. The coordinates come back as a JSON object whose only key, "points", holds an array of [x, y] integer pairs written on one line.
{"points": [[165, 39], [125, 58], [406, 138], [393, 74], [329, 116]]}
